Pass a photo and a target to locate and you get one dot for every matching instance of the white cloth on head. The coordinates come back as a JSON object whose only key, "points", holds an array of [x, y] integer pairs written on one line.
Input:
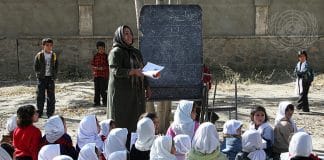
{"points": [[182, 143], [161, 149], [4, 155], [231, 126], [118, 155], [300, 145], [252, 143], [116, 141], [265, 130], [54, 129], [281, 114], [206, 139], [11, 124], [88, 132], [63, 157], [105, 127], [48, 152], [146, 134], [88, 152], [182, 122]]}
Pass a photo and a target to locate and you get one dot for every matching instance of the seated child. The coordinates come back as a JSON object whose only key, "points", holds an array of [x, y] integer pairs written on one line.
{"points": [[284, 128], [301, 147], [146, 136], [56, 133], [163, 149], [205, 144], [182, 144], [89, 152], [232, 138], [88, 132], [11, 125], [251, 146], [116, 141], [184, 120], [259, 122], [106, 126], [26, 132]]}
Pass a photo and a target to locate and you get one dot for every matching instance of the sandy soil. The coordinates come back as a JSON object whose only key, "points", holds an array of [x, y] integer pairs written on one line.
{"points": [[74, 100]]}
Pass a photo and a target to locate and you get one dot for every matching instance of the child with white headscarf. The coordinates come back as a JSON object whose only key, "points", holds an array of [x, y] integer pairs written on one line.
{"points": [[251, 146], [118, 155], [116, 141], [48, 152], [205, 144], [163, 149], [182, 145], [300, 147], [232, 138], [88, 132], [11, 125], [144, 142], [89, 152], [56, 133], [183, 122], [259, 122], [284, 128], [106, 126]]}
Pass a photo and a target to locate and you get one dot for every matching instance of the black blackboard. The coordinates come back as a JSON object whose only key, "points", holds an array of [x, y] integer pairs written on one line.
{"points": [[171, 36]]}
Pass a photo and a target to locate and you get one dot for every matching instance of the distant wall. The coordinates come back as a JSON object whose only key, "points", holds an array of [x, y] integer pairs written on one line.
{"points": [[230, 35]]}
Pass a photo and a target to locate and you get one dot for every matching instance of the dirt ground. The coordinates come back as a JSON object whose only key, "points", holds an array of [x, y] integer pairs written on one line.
{"points": [[74, 101]]}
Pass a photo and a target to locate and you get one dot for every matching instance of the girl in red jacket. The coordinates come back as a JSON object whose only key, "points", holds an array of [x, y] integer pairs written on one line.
{"points": [[26, 137]]}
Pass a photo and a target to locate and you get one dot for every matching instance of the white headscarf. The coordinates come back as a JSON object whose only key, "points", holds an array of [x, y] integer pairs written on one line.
{"points": [[281, 114], [182, 122], [48, 152], [11, 124], [88, 152], [105, 127], [63, 157], [231, 126], [118, 155], [182, 143], [116, 141], [4, 155], [146, 134], [88, 132], [300, 145], [252, 143], [161, 149], [206, 139], [54, 129]]}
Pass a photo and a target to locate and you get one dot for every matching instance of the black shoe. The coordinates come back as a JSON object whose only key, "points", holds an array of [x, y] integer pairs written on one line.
{"points": [[305, 110]]}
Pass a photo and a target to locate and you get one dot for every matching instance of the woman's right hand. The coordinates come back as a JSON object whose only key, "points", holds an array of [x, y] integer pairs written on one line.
{"points": [[136, 73]]}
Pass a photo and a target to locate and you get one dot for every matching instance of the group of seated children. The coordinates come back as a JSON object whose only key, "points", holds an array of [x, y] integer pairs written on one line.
{"points": [[185, 139]]}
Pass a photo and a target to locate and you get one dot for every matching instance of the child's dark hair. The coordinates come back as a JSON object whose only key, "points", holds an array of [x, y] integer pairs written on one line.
{"points": [[302, 52], [100, 44], [257, 109], [47, 40], [25, 115], [290, 107]]}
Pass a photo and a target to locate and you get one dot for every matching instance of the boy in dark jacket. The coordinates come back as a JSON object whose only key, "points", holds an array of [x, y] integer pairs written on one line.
{"points": [[45, 66], [100, 74]]}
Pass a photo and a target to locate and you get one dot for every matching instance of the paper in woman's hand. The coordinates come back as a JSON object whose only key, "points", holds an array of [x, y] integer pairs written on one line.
{"points": [[152, 70]]}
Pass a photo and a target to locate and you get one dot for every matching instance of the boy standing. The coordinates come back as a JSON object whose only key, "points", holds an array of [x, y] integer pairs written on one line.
{"points": [[45, 66], [100, 73]]}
